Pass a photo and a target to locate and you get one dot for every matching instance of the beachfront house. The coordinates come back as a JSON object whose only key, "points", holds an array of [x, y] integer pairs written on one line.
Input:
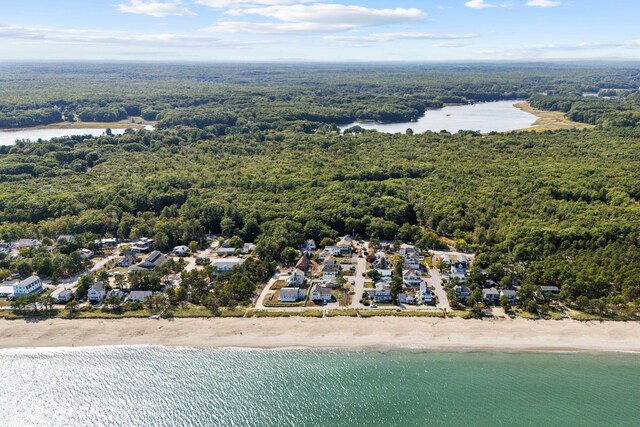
{"points": [[6, 288], [509, 293], [411, 278], [382, 292], [115, 293], [225, 265], [96, 293], [140, 296], [462, 292], [426, 294], [407, 298], [62, 295], [28, 286], [490, 296], [320, 292], [291, 295]]}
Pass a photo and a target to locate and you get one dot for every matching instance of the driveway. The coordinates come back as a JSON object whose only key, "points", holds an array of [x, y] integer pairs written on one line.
{"points": [[435, 282]]}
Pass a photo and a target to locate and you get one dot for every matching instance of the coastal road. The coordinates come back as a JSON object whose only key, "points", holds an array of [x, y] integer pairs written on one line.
{"points": [[361, 268], [435, 282]]}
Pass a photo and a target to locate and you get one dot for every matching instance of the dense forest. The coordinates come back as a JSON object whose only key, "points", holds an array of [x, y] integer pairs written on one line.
{"points": [[253, 151]]}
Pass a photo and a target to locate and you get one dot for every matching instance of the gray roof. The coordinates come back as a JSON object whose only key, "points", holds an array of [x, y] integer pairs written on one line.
{"points": [[492, 291]]}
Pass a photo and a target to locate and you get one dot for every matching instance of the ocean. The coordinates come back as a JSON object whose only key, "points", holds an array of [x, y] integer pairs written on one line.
{"points": [[158, 386]]}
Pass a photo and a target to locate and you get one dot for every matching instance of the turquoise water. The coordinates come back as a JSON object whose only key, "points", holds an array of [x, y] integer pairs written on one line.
{"points": [[156, 386]]}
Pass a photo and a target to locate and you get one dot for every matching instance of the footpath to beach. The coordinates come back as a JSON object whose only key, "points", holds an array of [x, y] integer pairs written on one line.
{"points": [[338, 332]]}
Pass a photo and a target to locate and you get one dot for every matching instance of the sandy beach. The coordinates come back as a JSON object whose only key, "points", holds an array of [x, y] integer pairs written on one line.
{"points": [[338, 332]]}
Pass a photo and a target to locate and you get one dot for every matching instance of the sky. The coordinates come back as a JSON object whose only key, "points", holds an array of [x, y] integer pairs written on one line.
{"points": [[311, 30]]}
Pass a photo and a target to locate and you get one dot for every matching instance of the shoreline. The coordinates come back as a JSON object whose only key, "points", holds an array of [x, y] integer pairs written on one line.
{"points": [[373, 334], [549, 120], [82, 125]]}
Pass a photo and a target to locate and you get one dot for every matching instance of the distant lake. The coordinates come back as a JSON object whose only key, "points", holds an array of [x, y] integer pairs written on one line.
{"points": [[9, 137], [499, 116]]}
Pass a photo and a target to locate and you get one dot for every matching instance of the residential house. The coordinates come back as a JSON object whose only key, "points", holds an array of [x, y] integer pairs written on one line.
{"points": [[426, 294], [28, 286], [385, 274], [304, 263], [382, 292], [407, 298], [181, 250], [406, 250], [86, 253], [140, 296], [411, 278], [550, 290], [381, 258], [96, 293], [509, 293], [26, 243], [151, 262], [330, 271], [115, 293], [321, 292], [309, 246], [462, 292], [344, 245], [490, 296], [460, 269], [106, 243], [297, 278], [69, 238], [222, 251], [143, 245], [292, 294], [329, 251], [127, 260], [412, 262], [225, 265], [62, 295], [6, 288], [247, 248]]}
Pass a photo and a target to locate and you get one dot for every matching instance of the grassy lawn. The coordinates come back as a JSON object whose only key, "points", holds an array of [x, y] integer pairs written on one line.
{"points": [[291, 313], [278, 284], [580, 315], [349, 312], [527, 315], [369, 285], [274, 301], [348, 273], [460, 313], [401, 313]]}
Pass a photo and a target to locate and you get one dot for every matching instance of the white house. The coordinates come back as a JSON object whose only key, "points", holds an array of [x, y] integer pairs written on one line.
{"points": [[225, 265], [412, 262], [426, 295], [139, 295], [407, 298], [321, 292], [247, 248], [309, 245], [109, 242], [26, 243], [62, 295], [385, 274], [181, 250], [344, 245], [382, 292], [96, 293], [408, 250], [128, 259], [297, 278], [27, 286], [291, 294], [411, 278], [460, 269], [6, 289], [329, 251]]}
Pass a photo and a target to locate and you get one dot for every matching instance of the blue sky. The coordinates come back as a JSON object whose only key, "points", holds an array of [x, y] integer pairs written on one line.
{"points": [[332, 30]]}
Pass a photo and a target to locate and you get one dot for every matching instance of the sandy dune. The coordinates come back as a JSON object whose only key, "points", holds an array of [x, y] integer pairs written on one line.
{"points": [[380, 333]]}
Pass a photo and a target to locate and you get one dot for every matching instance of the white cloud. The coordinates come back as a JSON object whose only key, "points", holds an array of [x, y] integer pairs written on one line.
{"points": [[387, 37], [319, 17], [222, 4], [543, 3], [96, 37], [482, 4], [155, 8]]}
